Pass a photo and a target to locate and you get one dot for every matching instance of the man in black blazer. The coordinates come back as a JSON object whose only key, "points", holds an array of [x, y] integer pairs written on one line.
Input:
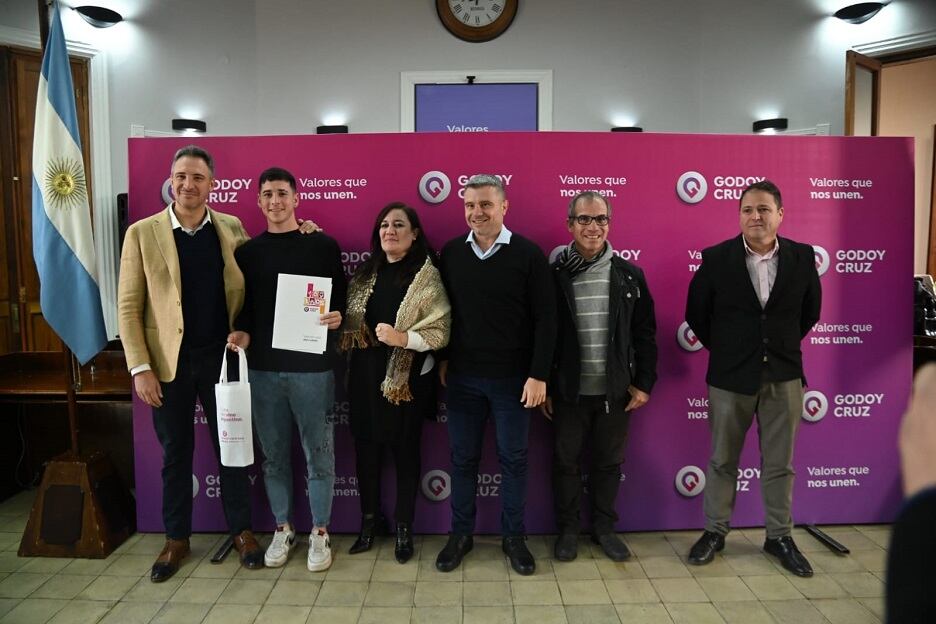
{"points": [[751, 302]]}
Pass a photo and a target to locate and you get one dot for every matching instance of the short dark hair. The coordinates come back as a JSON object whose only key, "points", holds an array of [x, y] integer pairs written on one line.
{"points": [[276, 174], [764, 185], [195, 152], [414, 259]]}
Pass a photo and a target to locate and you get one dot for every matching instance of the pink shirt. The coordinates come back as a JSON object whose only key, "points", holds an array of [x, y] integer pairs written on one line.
{"points": [[762, 269]]}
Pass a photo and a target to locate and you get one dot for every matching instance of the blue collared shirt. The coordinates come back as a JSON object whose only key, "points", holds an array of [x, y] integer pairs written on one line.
{"points": [[502, 239]]}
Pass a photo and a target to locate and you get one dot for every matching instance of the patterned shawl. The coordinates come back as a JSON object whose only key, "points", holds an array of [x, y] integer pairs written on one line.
{"points": [[425, 309]]}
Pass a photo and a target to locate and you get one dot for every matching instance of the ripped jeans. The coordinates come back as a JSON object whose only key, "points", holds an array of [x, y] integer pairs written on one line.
{"points": [[278, 400]]}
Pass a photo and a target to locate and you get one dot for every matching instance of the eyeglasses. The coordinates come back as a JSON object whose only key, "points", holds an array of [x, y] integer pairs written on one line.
{"points": [[601, 220]]}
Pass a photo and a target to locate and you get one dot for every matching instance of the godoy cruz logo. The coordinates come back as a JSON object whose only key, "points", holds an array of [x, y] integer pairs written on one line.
{"points": [[168, 195], [686, 339], [690, 481], [815, 406], [691, 187], [194, 486], [822, 259], [434, 187], [436, 485]]}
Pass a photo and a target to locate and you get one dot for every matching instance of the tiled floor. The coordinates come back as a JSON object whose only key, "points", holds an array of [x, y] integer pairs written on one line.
{"points": [[742, 585]]}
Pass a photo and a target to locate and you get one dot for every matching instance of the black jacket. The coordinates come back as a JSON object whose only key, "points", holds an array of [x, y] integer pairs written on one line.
{"points": [[632, 350], [911, 575], [725, 314]]}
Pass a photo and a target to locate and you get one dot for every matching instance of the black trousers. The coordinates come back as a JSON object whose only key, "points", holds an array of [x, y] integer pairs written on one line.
{"points": [[369, 460], [604, 426], [196, 374]]}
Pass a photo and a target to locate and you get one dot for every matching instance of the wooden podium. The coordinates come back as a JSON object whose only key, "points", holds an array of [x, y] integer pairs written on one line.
{"points": [[82, 508]]}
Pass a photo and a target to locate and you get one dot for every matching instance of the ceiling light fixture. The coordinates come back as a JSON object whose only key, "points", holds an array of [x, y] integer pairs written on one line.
{"points": [[770, 126], [859, 13], [99, 17]]}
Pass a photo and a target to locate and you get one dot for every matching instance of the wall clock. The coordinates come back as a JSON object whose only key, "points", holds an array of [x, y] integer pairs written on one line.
{"points": [[476, 20]]}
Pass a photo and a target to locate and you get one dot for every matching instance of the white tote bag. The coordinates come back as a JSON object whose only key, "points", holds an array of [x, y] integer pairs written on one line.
{"points": [[235, 433]]}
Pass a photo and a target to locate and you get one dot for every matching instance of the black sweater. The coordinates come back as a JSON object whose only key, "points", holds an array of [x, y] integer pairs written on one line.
{"points": [[204, 306], [261, 260], [503, 310]]}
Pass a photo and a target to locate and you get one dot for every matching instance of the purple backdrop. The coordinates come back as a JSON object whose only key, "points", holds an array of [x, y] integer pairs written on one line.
{"points": [[672, 195]]}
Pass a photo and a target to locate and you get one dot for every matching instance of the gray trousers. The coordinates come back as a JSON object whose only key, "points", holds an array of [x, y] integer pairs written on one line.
{"points": [[778, 406]]}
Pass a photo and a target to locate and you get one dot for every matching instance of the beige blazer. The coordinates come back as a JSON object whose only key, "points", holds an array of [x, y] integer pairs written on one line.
{"points": [[149, 294]]}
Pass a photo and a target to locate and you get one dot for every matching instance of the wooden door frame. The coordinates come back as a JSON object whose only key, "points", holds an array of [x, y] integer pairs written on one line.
{"points": [[104, 197], [854, 60]]}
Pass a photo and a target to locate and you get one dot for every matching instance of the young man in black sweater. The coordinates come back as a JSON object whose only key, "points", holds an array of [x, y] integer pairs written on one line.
{"points": [[497, 362], [290, 386]]}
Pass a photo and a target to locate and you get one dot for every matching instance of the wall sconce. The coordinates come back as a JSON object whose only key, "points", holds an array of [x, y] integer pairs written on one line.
{"points": [[99, 17], [335, 129], [859, 13], [770, 126], [626, 129], [192, 125]]}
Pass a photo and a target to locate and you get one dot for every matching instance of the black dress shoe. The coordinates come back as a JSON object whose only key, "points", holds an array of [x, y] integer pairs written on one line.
{"points": [[784, 549], [613, 547], [403, 549], [703, 551], [365, 539], [521, 560], [566, 548], [455, 549]]}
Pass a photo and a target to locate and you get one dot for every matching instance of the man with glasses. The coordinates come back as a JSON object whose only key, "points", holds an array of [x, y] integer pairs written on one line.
{"points": [[604, 367]]}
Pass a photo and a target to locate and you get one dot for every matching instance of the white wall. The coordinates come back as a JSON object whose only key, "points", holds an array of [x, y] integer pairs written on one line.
{"points": [[280, 66]]}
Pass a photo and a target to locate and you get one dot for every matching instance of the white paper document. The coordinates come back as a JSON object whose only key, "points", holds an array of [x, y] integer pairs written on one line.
{"points": [[300, 301]]}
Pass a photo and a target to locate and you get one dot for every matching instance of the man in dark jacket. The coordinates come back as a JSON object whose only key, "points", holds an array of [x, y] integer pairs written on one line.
{"points": [[604, 367], [751, 302]]}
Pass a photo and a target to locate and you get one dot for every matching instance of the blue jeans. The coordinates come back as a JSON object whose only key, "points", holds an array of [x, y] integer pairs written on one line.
{"points": [[278, 400], [470, 401]]}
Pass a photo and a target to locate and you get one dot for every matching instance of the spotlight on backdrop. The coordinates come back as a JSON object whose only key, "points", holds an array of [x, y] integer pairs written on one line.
{"points": [[626, 129], [770, 126], [190, 125], [335, 129]]}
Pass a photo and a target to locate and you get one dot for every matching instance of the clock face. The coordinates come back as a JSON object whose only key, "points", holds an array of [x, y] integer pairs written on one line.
{"points": [[476, 13], [476, 20]]}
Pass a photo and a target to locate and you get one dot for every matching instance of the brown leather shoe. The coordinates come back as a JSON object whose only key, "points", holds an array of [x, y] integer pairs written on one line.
{"points": [[167, 563], [251, 555]]}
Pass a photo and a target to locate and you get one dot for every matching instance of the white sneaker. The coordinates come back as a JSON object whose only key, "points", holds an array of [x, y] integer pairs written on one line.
{"points": [[278, 551], [320, 557]]}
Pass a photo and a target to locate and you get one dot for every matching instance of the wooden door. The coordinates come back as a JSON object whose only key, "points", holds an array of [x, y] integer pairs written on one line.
{"points": [[21, 297]]}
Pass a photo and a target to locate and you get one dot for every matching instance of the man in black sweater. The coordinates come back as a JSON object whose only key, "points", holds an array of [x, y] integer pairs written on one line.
{"points": [[290, 386], [497, 362]]}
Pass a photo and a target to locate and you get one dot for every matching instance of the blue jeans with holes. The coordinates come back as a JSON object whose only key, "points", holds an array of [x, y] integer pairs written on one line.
{"points": [[470, 401], [277, 401]]}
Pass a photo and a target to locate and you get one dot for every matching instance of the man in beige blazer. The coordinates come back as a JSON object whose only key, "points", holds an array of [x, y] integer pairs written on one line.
{"points": [[179, 292]]}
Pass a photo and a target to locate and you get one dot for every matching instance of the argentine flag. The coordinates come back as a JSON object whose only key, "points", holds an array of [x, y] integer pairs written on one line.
{"points": [[62, 243]]}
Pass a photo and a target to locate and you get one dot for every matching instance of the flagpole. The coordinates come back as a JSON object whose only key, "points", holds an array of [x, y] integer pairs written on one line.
{"points": [[43, 23], [72, 399]]}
